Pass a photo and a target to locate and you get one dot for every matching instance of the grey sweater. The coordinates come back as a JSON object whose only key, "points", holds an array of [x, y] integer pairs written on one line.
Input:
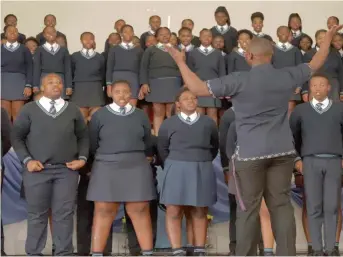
{"points": [[226, 147], [87, 69]]}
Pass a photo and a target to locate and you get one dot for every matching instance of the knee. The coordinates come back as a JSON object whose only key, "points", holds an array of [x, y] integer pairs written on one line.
{"points": [[174, 212], [138, 210], [159, 110], [199, 213], [103, 212]]}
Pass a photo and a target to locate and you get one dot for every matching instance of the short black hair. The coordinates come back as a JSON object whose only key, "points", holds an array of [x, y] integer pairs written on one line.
{"points": [[190, 20], [85, 33], [257, 15], [180, 93], [126, 26], [47, 28], [184, 29], [220, 36], [334, 17], [114, 33], [161, 28], [320, 74], [319, 31], [205, 30], [9, 15], [245, 31], [154, 16], [31, 39], [46, 16], [120, 82], [282, 27]]}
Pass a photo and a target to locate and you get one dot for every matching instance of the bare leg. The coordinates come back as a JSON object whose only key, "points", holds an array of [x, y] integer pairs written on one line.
{"points": [[266, 228], [174, 216], [168, 109], [7, 105], [189, 228], [85, 113], [159, 115], [200, 222], [213, 114], [16, 106]]}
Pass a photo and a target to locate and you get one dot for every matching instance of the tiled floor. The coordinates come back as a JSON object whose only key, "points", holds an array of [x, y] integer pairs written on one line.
{"points": [[15, 235]]}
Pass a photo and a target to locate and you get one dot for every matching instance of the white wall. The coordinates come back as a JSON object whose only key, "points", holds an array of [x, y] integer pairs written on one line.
{"points": [[75, 17]]}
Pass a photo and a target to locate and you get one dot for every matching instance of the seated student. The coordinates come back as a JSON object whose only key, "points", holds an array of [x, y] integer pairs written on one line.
{"points": [[317, 131], [49, 21], [11, 20], [187, 144]]}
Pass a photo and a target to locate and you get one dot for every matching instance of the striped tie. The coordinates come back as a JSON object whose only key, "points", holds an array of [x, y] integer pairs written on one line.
{"points": [[188, 119], [221, 29], [122, 110], [11, 46], [52, 49], [128, 46], [284, 47], [294, 34], [87, 53], [52, 108], [319, 106], [206, 51]]}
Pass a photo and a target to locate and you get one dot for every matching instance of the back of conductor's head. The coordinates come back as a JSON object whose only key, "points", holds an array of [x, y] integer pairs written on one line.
{"points": [[260, 51]]}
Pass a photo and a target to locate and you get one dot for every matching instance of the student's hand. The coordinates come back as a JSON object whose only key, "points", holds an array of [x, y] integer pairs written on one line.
{"points": [[69, 91], [144, 90], [34, 166], [35, 90], [27, 92], [305, 97], [149, 159], [76, 164], [109, 91], [178, 56], [299, 166], [297, 90], [341, 97]]}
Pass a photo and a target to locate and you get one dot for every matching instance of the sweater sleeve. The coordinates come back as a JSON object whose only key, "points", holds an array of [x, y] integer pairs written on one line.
{"points": [[67, 70], [144, 69], [5, 132], [163, 142], [223, 129], [110, 65], [102, 68], [29, 67], [214, 140], [37, 69], [21, 128], [94, 130], [82, 135], [221, 66], [73, 65], [149, 151], [306, 59], [295, 124]]}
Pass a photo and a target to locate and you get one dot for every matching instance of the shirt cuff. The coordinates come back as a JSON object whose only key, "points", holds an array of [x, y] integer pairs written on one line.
{"points": [[26, 160], [108, 83], [83, 158], [28, 85]]}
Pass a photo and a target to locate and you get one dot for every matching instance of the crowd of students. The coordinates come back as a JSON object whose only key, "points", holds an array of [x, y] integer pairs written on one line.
{"points": [[50, 134]]}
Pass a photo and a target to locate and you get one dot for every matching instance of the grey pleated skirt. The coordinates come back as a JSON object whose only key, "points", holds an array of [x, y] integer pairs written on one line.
{"points": [[163, 90], [64, 96], [125, 177], [130, 77], [12, 86], [295, 97], [88, 94], [209, 102], [188, 184]]}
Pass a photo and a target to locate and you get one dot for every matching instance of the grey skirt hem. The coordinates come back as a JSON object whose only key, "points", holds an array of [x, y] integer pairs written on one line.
{"points": [[12, 86], [88, 94], [164, 90], [188, 184]]}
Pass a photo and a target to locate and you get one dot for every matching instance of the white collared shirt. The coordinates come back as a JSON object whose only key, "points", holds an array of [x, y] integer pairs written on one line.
{"points": [[115, 107], [192, 117], [45, 102], [303, 52], [317, 48], [287, 44], [209, 48], [241, 50], [127, 45], [187, 48], [90, 51], [258, 34], [340, 52], [325, 103], [54, 46], [162, 45], [151, 32], [222, 28], [296, 33], [14, 44]]}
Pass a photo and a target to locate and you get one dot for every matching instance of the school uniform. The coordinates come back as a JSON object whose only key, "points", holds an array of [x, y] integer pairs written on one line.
{"points": [[88, 68], [187, 146], [52, 59], [123, 63], [263, 140], [230, 35], [41, 39], [196, 41], [187, 49], [16, 71], [262, 35], [119, 137], [287, 55], [333, 67], [21, 37], [296, 37], [317, 130], [144, 36], [53, 133], [208, 63], [340, 52], [159, 70], [236, 61]]}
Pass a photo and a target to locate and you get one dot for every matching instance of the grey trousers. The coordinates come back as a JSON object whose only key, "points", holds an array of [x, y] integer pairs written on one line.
{"points": [[271, 179], [56, 188], [322, 182]]}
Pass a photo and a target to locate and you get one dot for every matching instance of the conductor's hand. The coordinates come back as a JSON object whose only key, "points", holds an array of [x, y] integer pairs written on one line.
{"points": [[34, 166], [178, 56], [299, 166], [76, 164], [334, 29], [69, 91]]}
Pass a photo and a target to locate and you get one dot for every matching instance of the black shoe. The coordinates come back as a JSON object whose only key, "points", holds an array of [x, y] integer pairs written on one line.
{"points": [[232, 247], [232, 253], [261, 252], [309, 250], [334, 253], [189, 252], [53, 250]]}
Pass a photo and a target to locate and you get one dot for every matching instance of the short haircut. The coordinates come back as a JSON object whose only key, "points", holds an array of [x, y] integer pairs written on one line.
{"points": [[320, 31], [257, 15], [126, 26], [205, 30], [190, 20], [184, 29], [282, 27], [115, 83], [154, 16], [8, 16], [32, 39], [46, 16], [48, 28], [85, 33], [335, 18], [245, 31], [180, 93], [161, 28], [320, 74]]}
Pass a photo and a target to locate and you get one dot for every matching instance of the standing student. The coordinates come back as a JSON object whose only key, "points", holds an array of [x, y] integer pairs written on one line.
{"points": [[257, 19], [123, 63], [174, 41], [208, 63], [189, 23], [32, 44], [225, 29], [332, 21], [333, 67], [49, 21], [259, 118], [11, 20], [305, 44], [118, 25], [155, 24], [188, 143], [150, 40], [60, 40], [185, 37], [5, 147], [88, 69], [16, 74], [113, 40], [316, 126], [286, 55], [218, 43], [337, 43], [160, 78], [51, 140], [295, 25], [236, 59], [117, 160], [136, 42], [52, 58]]}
